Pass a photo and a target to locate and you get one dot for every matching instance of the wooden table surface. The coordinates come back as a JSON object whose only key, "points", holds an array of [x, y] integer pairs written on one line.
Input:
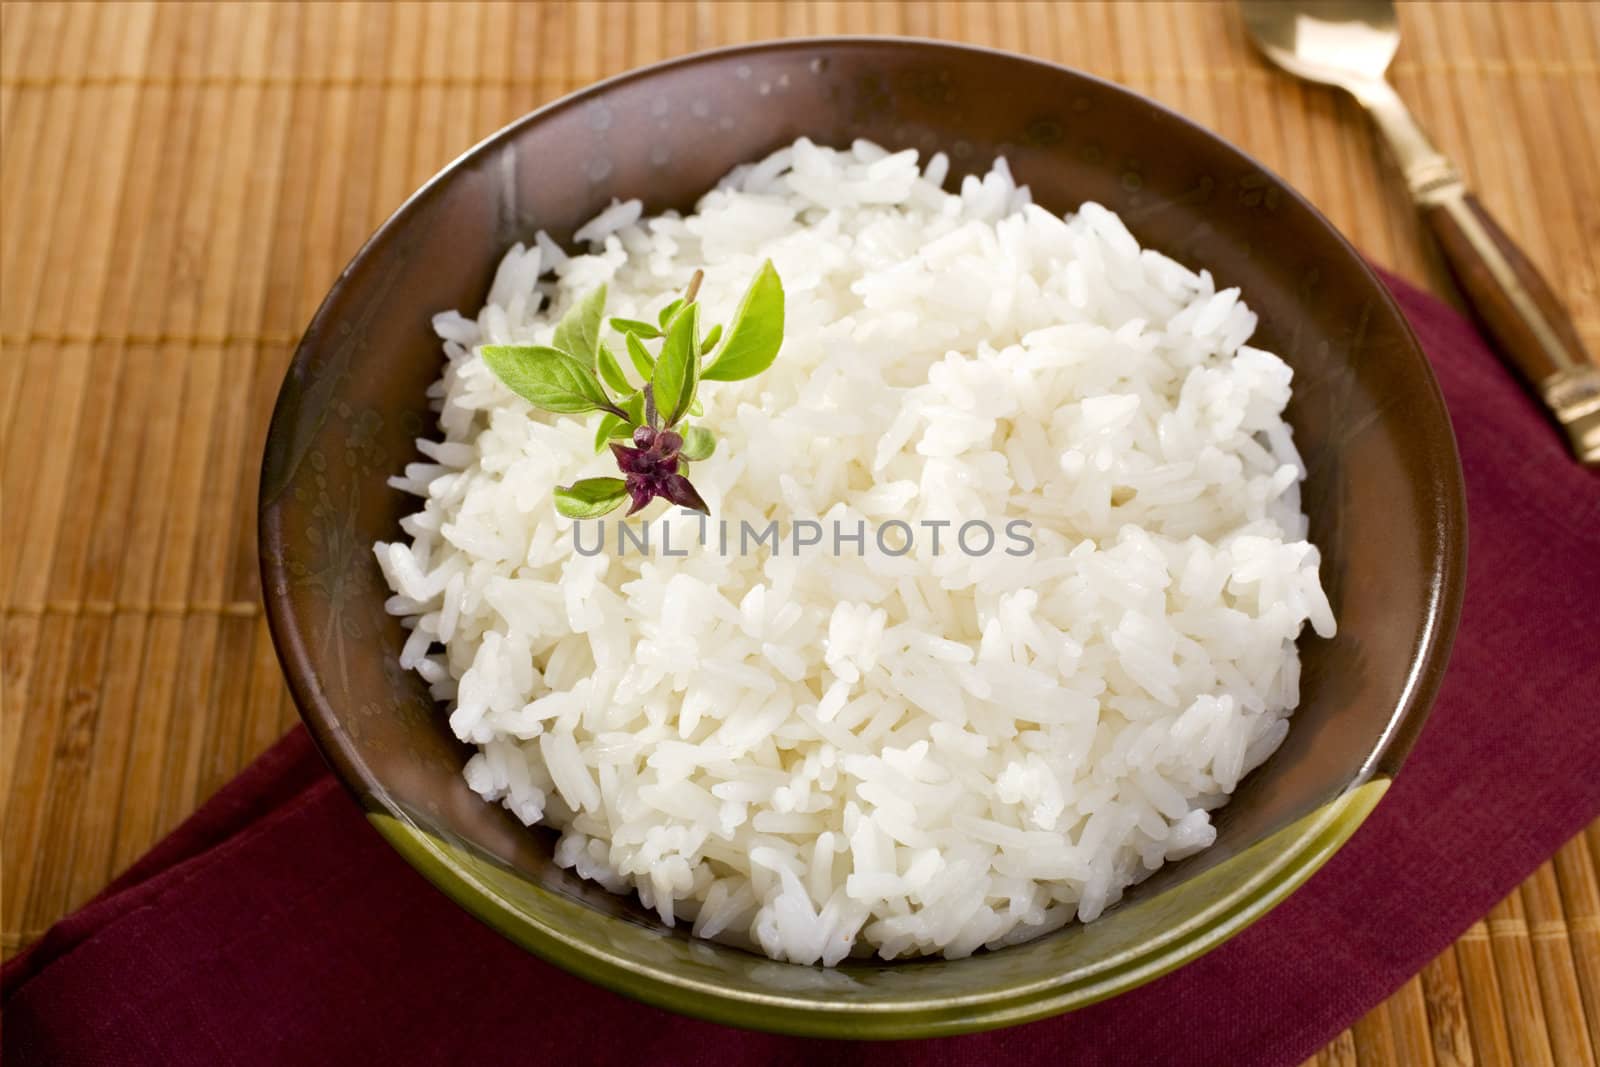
{"points": [[180, 185]]}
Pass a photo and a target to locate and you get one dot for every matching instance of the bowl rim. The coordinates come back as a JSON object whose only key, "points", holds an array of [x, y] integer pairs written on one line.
{"points": [[1310, 842]]}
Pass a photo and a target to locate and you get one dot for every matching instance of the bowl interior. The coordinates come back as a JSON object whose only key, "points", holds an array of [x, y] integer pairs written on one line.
{"points": [[1383, 495]]}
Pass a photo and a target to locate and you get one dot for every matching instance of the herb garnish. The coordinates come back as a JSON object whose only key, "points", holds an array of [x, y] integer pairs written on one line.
{"points": [[578, 372]]}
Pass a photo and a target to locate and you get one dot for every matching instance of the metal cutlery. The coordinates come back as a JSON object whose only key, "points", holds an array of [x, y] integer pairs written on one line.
{"points": [[1349, 44]]}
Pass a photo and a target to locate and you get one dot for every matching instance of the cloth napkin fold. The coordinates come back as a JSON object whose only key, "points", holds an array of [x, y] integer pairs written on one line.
{"points": [[275, 927]]}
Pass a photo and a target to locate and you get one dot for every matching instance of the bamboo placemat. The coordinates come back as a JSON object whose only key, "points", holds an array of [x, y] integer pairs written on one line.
{"points": [[180, 185]]}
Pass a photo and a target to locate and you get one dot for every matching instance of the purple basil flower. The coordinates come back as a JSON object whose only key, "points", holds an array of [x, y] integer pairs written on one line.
{"points": [[651, 470]]}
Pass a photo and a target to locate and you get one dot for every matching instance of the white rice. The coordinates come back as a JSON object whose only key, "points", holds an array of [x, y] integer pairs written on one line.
{"points": [[824, 756]]}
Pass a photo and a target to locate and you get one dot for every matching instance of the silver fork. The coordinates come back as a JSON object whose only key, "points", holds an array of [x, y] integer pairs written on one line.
{"points": [[1349, 44]]}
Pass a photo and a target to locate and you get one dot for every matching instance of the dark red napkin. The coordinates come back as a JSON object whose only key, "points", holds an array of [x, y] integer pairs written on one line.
{"points": [[276, 927]]}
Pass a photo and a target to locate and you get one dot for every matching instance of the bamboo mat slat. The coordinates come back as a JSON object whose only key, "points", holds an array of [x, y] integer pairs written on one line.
{"points": [[180, 183]]}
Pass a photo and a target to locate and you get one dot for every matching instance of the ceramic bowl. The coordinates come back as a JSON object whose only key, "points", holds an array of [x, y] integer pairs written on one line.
{"points": [[1384, 497]]}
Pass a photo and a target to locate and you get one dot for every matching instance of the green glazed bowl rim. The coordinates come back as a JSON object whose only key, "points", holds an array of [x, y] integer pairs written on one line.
{"points": [[1297, 851], [1301, 849]]}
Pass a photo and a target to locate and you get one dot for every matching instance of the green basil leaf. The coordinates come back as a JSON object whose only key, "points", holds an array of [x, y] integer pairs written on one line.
{"points": [[643, 361], [611, 372], [677, 370], [695, 409], [578, 332], [666, 313], [633, 407], [591, 497], [756, 332], [711, 339], [607, 429], [546, 378], [633, 327], [698, 443]]}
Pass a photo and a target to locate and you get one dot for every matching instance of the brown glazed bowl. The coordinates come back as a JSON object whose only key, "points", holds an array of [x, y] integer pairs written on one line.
{"points": [[1384, 497]]}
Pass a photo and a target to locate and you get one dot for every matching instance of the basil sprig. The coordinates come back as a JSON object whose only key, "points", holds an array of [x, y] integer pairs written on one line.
{"points": [[578, 373]]}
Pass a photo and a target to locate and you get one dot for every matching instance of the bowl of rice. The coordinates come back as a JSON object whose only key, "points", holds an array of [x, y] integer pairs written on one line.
{"points": [[1068, 588]]}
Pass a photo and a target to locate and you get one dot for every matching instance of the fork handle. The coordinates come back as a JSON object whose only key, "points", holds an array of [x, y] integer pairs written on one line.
{"points": [[1530, 327], [1533, 331]]}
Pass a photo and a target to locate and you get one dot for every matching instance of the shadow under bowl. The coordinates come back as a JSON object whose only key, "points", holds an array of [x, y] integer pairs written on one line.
{"points": [[1383, 494]]}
